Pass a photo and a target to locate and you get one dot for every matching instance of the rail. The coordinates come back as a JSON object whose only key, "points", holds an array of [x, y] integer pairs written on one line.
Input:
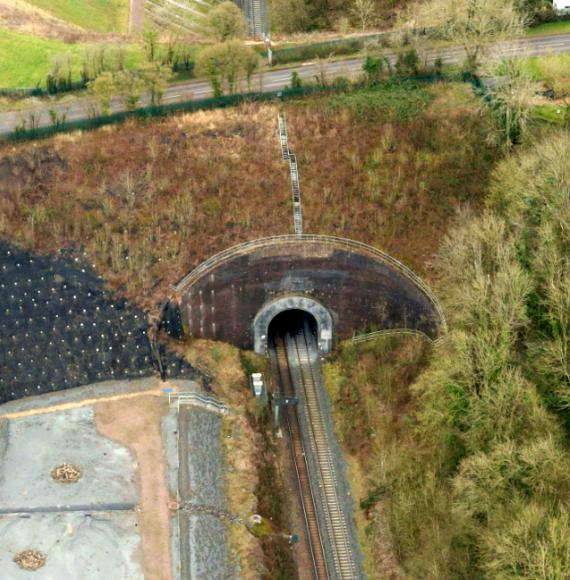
{"points": [[199, 400], [294, 361], [345, 566], [342, 243], [313, 541]]}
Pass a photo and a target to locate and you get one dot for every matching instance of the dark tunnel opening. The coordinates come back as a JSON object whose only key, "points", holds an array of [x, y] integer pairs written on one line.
{"points": [[291, 322]]}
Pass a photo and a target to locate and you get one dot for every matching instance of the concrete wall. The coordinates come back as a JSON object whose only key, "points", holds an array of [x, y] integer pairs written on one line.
{"points": [[323, 319], [361, 288]]}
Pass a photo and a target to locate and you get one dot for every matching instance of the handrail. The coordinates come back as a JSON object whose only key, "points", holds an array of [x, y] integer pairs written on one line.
{"points": [[390, 332], [289, 156], [246, 247], [198, 398]]}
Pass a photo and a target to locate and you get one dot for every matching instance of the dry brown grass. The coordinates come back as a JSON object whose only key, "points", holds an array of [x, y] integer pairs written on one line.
{"points": [[31, 560], [241, 447], [220, 361], [150, 201]]}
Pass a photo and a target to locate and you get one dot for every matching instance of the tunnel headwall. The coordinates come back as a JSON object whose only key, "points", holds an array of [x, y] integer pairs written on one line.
{"points": [[233, 296]]}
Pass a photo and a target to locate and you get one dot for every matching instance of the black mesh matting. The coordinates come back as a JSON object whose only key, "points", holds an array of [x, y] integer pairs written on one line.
{"points": [[59, 328]]}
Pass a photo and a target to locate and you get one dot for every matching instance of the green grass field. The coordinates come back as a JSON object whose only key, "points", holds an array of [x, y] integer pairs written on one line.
{"points": [[97, 15], [550, 28], [26, 59], [547, 67]]}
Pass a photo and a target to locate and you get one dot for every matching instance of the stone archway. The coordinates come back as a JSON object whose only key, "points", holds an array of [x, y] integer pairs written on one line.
{"points": [[271, 309]]}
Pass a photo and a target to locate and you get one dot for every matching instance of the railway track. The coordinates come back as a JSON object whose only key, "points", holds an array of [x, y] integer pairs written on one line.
{"points": [[294, 358], [312, 538]]}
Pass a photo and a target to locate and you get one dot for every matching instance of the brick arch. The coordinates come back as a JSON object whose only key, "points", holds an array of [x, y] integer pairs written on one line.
{"points": [[362, 289]]}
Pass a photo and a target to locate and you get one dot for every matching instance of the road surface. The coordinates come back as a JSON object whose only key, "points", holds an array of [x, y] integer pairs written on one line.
{"points": [[267, 81]]}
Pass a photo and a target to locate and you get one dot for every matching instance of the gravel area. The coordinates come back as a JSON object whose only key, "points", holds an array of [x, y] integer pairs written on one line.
{"points": [[205, 459], [101, 546], [204, 548], [30, 447], [209, 558], [169, 430]]}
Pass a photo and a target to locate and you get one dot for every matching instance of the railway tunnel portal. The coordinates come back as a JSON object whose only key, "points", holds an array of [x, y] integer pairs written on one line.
{"points": [[347, 286]]}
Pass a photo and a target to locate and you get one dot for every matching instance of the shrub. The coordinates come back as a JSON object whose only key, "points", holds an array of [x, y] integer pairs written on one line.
{"points": [[226, 21], [226, 63], [408, 63], [372, 67], [296, 80], [212, 206], [289, 16]]}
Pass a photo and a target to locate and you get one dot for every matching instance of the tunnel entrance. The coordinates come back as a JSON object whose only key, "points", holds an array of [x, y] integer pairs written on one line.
{"points": [[291, 322], [322, 320], [346, 285]]}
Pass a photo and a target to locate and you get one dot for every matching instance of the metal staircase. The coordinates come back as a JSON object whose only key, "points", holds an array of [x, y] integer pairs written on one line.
{"points": [[256, 14], [288, 156]]}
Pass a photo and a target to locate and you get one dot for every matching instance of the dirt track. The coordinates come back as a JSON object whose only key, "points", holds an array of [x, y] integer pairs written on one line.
{"points": [[135, 423], [136, 16]]}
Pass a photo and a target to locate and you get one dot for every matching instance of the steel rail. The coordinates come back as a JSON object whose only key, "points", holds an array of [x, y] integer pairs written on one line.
{"points": [[337, 527], [299, 460]]}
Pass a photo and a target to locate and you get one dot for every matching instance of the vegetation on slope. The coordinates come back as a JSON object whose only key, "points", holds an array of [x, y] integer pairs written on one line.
{"points": [[149, 201], [369, 388], [96, 15], [475, 478]]}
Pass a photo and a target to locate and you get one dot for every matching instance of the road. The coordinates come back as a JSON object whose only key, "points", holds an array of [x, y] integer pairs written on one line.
{"points": [[267, 81]]}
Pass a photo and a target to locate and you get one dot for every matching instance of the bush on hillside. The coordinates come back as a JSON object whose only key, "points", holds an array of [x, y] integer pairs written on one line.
{"points": [[476, 481]]}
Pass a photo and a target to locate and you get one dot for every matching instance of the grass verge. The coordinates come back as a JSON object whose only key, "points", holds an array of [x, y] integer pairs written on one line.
{"points": [[560, 27], [27, 59]]}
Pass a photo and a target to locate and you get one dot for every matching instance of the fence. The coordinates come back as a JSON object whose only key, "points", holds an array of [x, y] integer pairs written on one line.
{"points": [[329, 48], [23, 133], [164, 110], [198, 400]]}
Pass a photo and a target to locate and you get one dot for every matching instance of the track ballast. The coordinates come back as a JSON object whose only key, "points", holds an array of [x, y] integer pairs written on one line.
{"points": [[295, 367]]}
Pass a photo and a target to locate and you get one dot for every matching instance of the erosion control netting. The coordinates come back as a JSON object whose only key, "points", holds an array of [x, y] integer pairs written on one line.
{"points": [[59, 328]]}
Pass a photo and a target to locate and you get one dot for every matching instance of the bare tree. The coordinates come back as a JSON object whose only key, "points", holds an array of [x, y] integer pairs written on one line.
{"points": [[509, 100], [365, 11], [474, 24]]}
